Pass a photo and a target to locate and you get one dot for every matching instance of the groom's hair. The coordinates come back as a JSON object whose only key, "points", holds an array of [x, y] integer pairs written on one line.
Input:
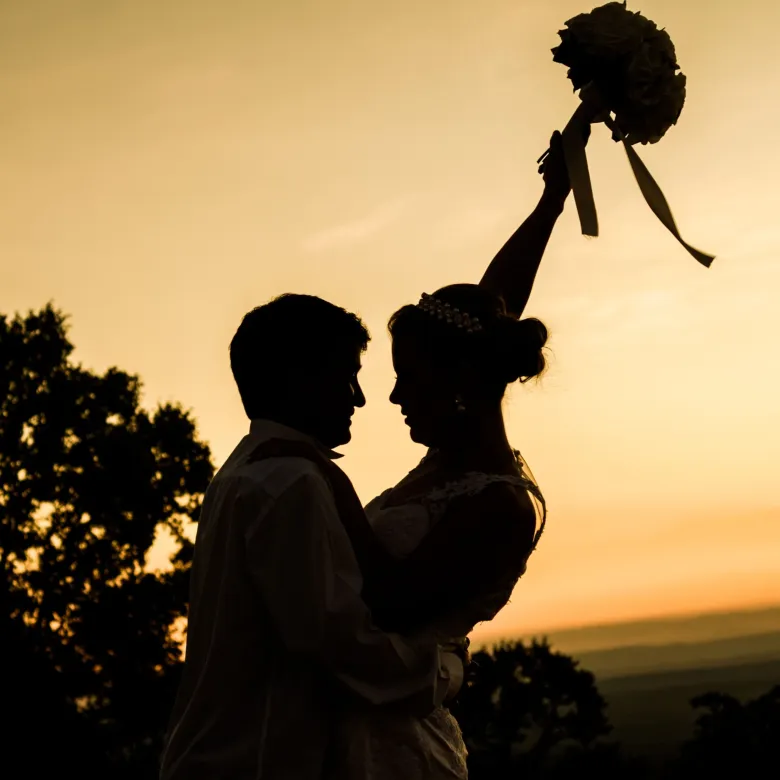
{"points": [[280, 339]]}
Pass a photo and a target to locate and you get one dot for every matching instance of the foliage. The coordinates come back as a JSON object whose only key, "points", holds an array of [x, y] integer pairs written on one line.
{"points": [[87, 481], [734, 739], [526, 707]]}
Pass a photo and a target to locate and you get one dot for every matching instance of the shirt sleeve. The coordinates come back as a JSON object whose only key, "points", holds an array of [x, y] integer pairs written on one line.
{"points": [[301, 561]]}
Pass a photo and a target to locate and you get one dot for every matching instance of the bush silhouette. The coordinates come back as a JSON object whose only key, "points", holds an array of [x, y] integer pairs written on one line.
{"points": [[526, 708]]}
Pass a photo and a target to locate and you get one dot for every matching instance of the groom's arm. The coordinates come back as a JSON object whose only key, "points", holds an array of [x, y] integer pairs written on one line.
{"points": [[305, 572]]}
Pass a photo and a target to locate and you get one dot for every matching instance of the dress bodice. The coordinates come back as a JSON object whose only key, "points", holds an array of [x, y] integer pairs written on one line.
{"points": [[387, 744], [401, 528]]}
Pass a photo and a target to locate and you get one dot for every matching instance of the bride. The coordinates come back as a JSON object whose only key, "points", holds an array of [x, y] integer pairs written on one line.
{"points": [[443, 549]]}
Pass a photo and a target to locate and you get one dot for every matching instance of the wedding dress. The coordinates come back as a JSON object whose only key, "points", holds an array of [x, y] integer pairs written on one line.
{"points": [[390, 745]]}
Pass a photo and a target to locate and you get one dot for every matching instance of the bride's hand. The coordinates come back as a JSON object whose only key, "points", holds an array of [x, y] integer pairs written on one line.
{"points": [[553, 168]]}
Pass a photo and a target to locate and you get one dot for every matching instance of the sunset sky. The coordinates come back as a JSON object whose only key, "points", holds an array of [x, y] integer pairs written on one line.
{"points": [[169, 164]]}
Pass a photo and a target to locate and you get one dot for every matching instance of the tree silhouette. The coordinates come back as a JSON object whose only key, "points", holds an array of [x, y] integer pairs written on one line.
{"points": [[606, 761], [526, 706], [87, 480], [733, 739]]}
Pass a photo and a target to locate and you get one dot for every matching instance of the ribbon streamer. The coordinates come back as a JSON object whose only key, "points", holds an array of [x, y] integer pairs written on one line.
{"points": [[654, 197], [572, 139]]}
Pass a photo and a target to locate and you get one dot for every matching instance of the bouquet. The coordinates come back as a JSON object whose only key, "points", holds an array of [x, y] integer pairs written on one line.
{"points": [[626, 71]]}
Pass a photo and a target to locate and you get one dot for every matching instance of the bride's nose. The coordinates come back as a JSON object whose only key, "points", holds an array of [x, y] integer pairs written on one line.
{"points": [[394, 396]]}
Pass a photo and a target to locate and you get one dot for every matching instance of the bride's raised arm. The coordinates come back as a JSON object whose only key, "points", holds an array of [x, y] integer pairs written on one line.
{"points": [[512, 272]]}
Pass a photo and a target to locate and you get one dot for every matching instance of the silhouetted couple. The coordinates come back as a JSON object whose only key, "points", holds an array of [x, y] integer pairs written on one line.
{"points": [[325, 640]]}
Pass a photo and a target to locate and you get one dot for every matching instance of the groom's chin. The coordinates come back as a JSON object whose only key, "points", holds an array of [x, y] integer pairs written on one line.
{"points": [[338, 438]]}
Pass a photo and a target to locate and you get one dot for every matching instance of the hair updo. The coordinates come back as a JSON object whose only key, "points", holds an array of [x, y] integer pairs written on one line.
{"points": [[503, 351]]}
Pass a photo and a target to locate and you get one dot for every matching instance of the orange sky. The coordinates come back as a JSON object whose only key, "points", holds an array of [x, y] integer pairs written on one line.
{"points": [[168, 166]]}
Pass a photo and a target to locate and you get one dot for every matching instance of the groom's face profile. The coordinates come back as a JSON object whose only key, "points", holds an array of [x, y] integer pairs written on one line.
{"points": [[296, 360], [330, 394]]}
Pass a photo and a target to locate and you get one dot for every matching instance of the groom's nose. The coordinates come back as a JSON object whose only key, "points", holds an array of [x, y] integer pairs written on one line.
{"points": [[358, 399]]}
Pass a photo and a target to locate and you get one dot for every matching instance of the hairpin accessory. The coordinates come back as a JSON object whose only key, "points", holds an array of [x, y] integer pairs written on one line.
{"points": [[449, 314]]}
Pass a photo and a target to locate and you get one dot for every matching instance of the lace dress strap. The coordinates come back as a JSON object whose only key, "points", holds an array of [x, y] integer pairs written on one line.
{"points": [[484, 606], [474, 482]]}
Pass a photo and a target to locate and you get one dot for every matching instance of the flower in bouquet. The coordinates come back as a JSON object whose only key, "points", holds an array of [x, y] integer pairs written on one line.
{"points": [[631, 63], [627, 73]]}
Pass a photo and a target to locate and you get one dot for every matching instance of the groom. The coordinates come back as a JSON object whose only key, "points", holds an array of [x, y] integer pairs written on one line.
{"points": [[276, 617]]}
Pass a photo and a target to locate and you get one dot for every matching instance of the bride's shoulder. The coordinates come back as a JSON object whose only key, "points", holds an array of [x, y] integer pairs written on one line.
{"points": [[499, 505], [500, 495]]}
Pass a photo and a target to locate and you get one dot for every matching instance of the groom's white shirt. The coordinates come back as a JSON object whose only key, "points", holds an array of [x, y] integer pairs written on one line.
{"points": [[275, 610]]}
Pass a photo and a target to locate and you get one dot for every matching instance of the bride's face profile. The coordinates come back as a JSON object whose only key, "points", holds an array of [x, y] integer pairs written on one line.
{"points": [[427, 401]]}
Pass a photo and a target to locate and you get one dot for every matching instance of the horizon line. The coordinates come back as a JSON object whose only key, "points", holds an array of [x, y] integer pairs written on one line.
{"points": [[673, 617]]}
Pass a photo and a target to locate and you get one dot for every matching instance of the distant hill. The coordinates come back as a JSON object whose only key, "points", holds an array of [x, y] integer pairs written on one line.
{"points": [[686, 629], [649, 670], [643, 659], [651, 713]]}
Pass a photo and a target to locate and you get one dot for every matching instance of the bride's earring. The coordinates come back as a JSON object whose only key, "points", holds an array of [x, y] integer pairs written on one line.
{"points": [[460, 407]]}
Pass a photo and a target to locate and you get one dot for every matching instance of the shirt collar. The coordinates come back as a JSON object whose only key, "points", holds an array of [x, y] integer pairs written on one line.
{"points": [[270, 429]]}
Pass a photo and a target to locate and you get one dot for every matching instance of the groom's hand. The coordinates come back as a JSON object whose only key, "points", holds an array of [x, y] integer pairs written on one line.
{"points": [[457, 650], [455, 670], [462, 651]]}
